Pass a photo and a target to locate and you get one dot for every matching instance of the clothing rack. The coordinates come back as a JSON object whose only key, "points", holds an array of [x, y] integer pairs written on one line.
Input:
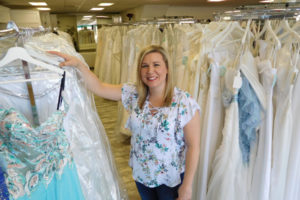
{"points": [[161, 21], [21, 33], [261, 12], [8, 33]]}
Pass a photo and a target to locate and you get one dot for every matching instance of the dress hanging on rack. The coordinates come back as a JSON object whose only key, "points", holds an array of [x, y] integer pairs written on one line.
{"points": [[38, 161], [283, 124], [228, 157], [262, 168], [83, 129]]}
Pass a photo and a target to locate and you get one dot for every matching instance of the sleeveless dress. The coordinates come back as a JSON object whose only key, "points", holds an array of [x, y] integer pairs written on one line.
{"points": [[293, 176], [260, 189], [212, 124], [233, 164], [282, 135], [228, 158], [37, 161], [84, 130]]}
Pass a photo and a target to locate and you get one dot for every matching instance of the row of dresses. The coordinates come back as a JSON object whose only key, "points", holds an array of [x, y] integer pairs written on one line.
{"points": [[254, 159], [86, 36], [68, 155], [247, 94]]}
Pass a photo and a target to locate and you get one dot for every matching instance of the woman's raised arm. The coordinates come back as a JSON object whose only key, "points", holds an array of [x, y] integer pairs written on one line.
{"points": [[107, 91]]}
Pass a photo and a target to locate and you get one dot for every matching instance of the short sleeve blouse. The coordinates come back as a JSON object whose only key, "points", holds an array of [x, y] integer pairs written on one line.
{"points": [[157, 153]]}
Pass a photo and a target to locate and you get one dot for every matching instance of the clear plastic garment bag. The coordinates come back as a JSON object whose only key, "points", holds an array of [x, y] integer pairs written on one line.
{"points": [[88, 141]]}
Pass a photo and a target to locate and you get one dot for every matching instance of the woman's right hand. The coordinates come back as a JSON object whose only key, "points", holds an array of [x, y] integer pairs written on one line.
{"points": [[107, 91], [69, 60]]}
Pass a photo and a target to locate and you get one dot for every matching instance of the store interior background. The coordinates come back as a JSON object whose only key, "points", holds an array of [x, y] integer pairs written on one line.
{"points": [[76, 16], [72, 16]]}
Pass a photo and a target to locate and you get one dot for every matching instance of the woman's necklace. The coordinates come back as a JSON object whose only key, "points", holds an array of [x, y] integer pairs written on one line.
{"points": [[153, 109]]}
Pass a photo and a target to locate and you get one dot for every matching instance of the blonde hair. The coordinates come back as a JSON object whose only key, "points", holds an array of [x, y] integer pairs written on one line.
{"points": [[142, 88]]}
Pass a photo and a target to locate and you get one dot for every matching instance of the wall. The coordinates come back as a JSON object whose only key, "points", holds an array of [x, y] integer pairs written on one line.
{"points": [[26, 18], [197, 12], [151, 11], [104, 21], [68, 23], [45, 19], [137, 14], [53, 20], [4, 14]]}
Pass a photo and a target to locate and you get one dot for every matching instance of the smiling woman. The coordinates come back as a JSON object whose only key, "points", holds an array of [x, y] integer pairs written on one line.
{"points": [[154, 75], [165, 140]]}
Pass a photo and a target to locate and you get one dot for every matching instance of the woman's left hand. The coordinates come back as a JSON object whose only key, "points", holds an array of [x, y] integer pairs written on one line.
{"points": [[184, 192]]}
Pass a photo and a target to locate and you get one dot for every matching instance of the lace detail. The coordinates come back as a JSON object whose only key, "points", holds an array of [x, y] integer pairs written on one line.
{"points": [[32, 155], [249, 118]]}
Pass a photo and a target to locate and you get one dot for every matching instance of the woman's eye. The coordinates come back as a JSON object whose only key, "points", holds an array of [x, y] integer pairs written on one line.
{"points": [[143, 66], [156, 65]]}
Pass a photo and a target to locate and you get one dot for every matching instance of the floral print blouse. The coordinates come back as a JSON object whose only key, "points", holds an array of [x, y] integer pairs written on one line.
{"points": [[157, 153]]}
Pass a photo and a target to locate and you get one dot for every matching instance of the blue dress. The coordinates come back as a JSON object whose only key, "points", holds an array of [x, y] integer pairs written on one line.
{"points": [[37, 162]]}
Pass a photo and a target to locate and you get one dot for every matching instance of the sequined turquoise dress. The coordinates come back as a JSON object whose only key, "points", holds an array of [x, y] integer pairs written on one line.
{"points": [[37, 161]]}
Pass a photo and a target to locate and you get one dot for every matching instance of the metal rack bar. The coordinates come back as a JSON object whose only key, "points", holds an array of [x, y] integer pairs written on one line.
{"points": [[261, 12]]}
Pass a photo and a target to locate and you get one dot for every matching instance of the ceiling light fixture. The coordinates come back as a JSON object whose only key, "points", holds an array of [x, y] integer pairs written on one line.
{"points": [[227, 18], [279, 9], [87, 16], [215, 0], [104, 17], [96, 9], [105, 4], [43, 9], [266, 1], [38, 3]]}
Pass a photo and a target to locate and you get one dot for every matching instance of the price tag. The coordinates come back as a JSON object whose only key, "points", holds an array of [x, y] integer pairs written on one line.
{"points": [[237, 83]]}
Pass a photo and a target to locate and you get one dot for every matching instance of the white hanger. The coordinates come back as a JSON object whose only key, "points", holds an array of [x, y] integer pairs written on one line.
{"points": [[15, 53], [247, 31], [49, 77], [43, 57], [221, 34], [296, 26], [235, 26], [284, 25], [214, 32], [268, 28]]}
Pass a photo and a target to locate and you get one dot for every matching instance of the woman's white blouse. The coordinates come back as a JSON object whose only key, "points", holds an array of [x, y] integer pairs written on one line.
{"points": [[157, 153]]}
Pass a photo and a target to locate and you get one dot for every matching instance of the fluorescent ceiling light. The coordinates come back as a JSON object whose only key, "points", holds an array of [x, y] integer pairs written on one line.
{"points": [[215, 0], [266, 1], [226, 18], [102, 16], [88, 16], [44, 9], [96, 9], [279, 9], [38, 3], [105, 4]]}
